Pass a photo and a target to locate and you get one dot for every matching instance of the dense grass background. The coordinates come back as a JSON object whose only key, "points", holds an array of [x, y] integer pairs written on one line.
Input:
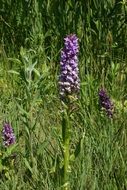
{"points": [[32, 35]]}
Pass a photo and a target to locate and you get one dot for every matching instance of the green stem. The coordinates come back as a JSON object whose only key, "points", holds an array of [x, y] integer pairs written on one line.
{"points": [[66, 160], [66, 144]]}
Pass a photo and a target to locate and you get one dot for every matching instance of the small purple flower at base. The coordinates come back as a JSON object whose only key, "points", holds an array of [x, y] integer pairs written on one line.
{"points": [[69, 80], [105, 102], [8, 135]]}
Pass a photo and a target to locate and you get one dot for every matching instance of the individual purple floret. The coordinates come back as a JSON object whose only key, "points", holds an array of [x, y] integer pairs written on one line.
{"points": [[69, 80], [8, 135], [105, 102]]}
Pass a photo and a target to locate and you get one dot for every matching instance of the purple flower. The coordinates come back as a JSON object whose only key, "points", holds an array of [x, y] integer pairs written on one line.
{"points": [[69, 80], [105, 102], [8, 135]]}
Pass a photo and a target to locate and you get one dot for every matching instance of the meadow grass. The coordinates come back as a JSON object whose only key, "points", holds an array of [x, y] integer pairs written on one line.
{"points": [[32, 35]]}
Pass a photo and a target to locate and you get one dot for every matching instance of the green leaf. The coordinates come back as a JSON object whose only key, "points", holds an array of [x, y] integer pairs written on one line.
{"points": [[13, 72], [14, 60], [28, 165], [36, 72], [9, 151], [22, 111]]}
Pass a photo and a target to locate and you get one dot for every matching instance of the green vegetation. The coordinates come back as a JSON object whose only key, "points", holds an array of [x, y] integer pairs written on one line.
{"points": [[32, 33]]}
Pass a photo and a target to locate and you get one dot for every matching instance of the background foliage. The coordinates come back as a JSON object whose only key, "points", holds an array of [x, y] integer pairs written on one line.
{"points": [[32, 33]]}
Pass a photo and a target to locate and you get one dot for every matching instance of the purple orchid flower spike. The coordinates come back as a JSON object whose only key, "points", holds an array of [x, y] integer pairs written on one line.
{"points": [[69, 81], [8, 135], [105, 102]]}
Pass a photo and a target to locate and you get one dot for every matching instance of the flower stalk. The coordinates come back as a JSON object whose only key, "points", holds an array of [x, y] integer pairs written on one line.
{"points": [[66, 147], [69, 86]]}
